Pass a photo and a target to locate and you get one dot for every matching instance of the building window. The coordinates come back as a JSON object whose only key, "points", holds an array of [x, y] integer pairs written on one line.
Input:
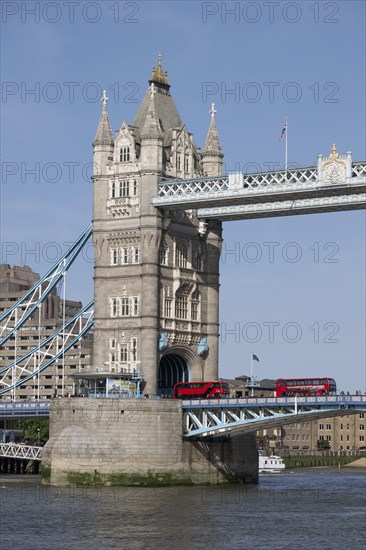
{"points": [[124, 256], [125, 307], [163, 255], [112, 357], [178, 162], [321, 426], [134, 188], [134, 349], [341, 437], [135, 305], [112, 343], [181, 307], [362, 427], [328, 438], [362, 415], [113, 190], [113, 307], [168, 307], [198, 262], [186, 163], [124, 154], [194, 310], [114, 256], [181, 256], [328, 427], [123, 354], [362, 438], [124, 188], [136, 255]]}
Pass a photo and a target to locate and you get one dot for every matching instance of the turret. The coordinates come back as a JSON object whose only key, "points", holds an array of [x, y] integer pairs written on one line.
{"points": [[103, 143], [212, 153], [151, 138]]}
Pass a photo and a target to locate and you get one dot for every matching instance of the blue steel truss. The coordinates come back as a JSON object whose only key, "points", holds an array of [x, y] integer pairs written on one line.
{"points": [[44, 355], [15, 317], [223, 417]]}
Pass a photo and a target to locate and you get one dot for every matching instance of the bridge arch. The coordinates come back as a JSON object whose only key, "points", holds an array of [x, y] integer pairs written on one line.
{"points": [[177, 364]]}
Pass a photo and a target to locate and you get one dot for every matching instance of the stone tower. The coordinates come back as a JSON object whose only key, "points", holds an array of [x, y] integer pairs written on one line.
{"points": [[156, 274]]}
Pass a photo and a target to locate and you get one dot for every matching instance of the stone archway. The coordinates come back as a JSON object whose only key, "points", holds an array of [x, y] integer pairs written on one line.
{"points": [[172, 369]]}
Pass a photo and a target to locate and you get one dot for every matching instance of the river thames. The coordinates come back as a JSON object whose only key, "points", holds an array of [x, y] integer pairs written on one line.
{"points": [[302, 509]]}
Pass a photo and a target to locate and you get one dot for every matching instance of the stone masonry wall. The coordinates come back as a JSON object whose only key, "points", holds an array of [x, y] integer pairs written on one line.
{"points": [[137, 442]]}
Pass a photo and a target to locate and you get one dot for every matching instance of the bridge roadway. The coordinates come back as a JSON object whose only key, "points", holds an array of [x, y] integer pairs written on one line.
{"points": [[217, 417], [221, 417], [330, 186]]}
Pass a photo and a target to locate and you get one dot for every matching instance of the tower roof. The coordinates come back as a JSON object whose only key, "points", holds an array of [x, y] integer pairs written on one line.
{"points": [[104, 135], [166, 110], [212, 144]]}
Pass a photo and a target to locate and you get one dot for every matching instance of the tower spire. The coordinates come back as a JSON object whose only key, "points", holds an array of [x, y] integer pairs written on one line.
{"points": [[104, 135], [212, 145], [151, 128], [212, 153]]}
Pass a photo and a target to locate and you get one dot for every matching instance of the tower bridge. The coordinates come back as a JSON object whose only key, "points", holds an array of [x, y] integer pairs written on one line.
{"points": [[159, 203]]}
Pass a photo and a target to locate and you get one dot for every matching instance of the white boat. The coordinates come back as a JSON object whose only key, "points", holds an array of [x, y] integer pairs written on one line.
{"points": [[271, 464]]}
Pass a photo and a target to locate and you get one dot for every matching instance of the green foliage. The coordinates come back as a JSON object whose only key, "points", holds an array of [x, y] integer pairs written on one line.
{"points": [[34, 430], [323, 445]]}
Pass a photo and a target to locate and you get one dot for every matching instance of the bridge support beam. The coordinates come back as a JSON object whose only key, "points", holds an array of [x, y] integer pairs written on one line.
{"points": [[138, 442]]}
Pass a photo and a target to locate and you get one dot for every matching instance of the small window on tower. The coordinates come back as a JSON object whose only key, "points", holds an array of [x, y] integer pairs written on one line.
{"points": [[126, 154], [113, 190], [134, 188]]}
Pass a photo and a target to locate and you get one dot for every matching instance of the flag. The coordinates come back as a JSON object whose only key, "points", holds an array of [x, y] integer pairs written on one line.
{"points": [[255, 358], [283, 130]]}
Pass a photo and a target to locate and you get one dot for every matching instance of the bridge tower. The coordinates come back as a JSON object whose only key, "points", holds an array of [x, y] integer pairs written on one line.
{"points": [[156, 273]]}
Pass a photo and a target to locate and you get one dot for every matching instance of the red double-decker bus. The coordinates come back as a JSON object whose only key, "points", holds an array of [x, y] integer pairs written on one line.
{"points": [[201, 390], [291, 387]]}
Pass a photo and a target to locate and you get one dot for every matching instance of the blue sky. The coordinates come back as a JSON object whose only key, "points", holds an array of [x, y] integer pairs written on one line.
{"points": [[303, 59]]}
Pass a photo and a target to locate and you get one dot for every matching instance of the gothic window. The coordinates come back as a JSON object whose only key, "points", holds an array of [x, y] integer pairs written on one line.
{"points": [[112, 343], [123, 354], [168, 307], [135, 305], [114, 256], [186, 163], [113, 190], [113, 307], [198, 262], [134, 188], [125, 307], [134, 349], [181, 307], [163, 255], [181, 258], [136, 255], [124, 154], [112, 357], [124, 188], [124, 255], [194, 310]]}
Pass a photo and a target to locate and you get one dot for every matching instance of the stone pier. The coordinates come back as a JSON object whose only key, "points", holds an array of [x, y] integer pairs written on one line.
{"points": [[138, 442]]}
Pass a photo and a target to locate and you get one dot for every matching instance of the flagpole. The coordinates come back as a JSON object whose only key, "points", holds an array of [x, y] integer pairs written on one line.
{"points": [[251, 375], [286, 148]]}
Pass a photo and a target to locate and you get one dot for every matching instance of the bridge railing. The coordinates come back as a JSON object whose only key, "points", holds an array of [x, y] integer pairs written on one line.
{"points": [[12, 450], [273, 401]]}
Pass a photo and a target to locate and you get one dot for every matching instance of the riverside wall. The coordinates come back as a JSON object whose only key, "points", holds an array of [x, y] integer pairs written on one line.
{"points": [[138, 442]]}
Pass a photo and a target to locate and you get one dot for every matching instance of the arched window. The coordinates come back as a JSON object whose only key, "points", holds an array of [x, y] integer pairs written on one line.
{"points": [[181, 257], [198, 262]]}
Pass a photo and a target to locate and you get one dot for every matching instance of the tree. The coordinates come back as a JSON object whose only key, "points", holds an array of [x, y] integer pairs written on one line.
{"points": [[323, 445], [35, 430]]}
